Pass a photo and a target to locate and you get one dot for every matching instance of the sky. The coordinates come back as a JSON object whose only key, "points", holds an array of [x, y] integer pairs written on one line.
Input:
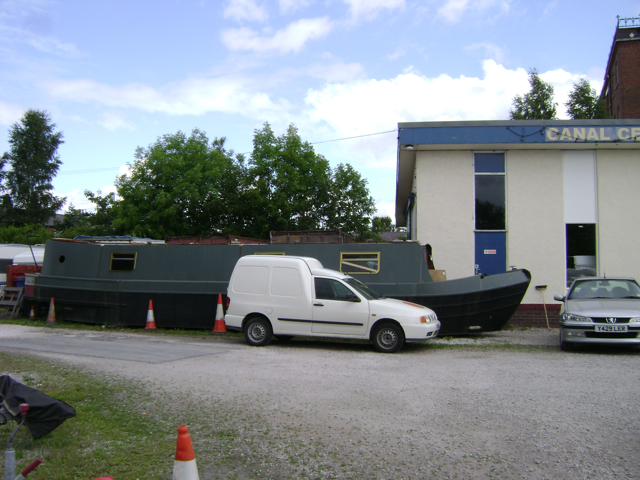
{"points": [[115, 75]]}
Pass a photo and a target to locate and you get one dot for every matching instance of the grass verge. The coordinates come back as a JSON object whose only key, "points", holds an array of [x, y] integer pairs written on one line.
{"points": [[109, 435]]}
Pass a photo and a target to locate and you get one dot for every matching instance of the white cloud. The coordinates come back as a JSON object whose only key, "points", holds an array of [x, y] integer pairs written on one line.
{"points": [[490, 51], [453, 10], [79, 201], [10, 113], [369, 9], [53, 45], [396, 55], [114, 121], [245, 10], [46, 44], [337, 71], [193, 96], [291, 39], [369, 106]]}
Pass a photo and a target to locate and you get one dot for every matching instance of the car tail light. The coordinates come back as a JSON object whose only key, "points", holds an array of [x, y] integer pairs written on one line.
{"points": [[228, 302]]}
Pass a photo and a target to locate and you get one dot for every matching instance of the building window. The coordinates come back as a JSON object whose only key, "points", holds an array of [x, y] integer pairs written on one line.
{"points": [[490, 191], [123, 262], [581, 251]]}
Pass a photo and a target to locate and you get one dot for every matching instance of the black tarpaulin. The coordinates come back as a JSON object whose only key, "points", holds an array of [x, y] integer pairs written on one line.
{"points": [[45, 413]]}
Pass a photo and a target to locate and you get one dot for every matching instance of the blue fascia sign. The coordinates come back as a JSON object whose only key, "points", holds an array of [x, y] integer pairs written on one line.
{"points": [[517, 132], [592, 134]]}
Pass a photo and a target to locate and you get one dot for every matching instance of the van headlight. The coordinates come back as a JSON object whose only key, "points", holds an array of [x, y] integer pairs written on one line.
{"points": [[432, 317]]}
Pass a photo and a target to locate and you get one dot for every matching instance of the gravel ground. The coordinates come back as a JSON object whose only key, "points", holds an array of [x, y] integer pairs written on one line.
{"points": [[502, 405]]}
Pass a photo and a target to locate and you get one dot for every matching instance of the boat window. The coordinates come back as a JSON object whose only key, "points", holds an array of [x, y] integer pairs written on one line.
{"points": [[360, 263], [123, 262]]}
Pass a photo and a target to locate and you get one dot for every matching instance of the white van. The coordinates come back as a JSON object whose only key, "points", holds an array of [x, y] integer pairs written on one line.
{"points": [[287, 296]]}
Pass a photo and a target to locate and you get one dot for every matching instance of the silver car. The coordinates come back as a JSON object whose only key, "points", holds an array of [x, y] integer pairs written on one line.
{"points": [[600, 310]]}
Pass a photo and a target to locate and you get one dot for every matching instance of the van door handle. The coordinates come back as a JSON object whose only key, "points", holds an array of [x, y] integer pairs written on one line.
{"points": [[318, 304]]}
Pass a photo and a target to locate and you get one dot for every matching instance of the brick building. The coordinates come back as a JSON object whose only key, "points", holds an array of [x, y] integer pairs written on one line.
{"points": [[621, 89]]}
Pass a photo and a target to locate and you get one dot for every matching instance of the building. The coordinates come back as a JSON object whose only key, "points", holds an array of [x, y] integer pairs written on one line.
{"points": [[557, 197], [621, 89]]}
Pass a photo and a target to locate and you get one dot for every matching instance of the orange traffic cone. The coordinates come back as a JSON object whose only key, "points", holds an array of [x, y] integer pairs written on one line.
{"points": [[51, 317], [184, 467], [32, 314], [219, 326], [151, 321]]}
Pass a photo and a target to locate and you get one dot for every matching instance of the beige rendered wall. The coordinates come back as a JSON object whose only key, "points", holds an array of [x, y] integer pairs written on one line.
{"points": [[618, 213], [535, 220], [444, 187]]}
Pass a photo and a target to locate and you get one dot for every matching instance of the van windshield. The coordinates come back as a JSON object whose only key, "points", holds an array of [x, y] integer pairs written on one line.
{"points": [[361, 288]]}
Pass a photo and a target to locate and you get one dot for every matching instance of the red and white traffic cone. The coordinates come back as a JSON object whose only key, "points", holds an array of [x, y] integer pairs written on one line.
{"points": [[32, 314], [184, 467], [51, 317], [219, 326], [151, 321]]}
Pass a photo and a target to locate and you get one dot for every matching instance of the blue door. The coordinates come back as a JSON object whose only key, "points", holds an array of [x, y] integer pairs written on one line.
{"points": [[491, 252]]}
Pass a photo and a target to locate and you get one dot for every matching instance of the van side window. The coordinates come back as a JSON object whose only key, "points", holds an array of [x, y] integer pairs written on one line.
{"points": [[328, 289], [324, 289]]}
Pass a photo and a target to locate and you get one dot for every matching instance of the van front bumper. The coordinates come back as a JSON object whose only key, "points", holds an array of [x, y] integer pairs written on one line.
{"points": [[421, 332]]}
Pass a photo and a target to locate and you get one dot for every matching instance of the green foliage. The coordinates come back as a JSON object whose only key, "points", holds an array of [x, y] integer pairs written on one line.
{"points": [[177, 186], [108, 436], [351, 206], [287, 186], [25, 234], [33, 162], [188, 186], [538, 104], [584, 102], [382, 224]]}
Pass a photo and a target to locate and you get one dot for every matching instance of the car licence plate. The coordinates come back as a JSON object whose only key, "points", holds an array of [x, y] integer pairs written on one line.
{"points": [[612, 328]]}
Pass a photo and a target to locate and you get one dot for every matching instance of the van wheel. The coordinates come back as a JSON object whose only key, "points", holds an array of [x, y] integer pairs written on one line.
{"points": [[258, 332], [388, 338]]}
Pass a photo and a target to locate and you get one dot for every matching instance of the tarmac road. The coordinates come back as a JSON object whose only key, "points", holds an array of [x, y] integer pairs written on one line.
{"points": [[503, 405]]}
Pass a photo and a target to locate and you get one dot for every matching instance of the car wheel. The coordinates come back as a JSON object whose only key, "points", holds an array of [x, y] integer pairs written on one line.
{"points": [[388, 338], [257, 332]]}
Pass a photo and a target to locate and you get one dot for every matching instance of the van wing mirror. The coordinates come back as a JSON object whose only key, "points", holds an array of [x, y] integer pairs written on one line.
{"points": [[558, 298], [353, 298]]}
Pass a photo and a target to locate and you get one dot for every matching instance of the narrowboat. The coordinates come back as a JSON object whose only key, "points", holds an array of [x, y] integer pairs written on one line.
{"points": [[111, 282]]}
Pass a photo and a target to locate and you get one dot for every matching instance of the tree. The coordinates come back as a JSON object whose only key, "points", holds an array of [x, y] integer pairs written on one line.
{"points": [[351, 206], [584, 103], [288, 184], [382, 224], [177, 186], [538, 104], [34, 162], [290, 187], [189, 186], [74, 222]]}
